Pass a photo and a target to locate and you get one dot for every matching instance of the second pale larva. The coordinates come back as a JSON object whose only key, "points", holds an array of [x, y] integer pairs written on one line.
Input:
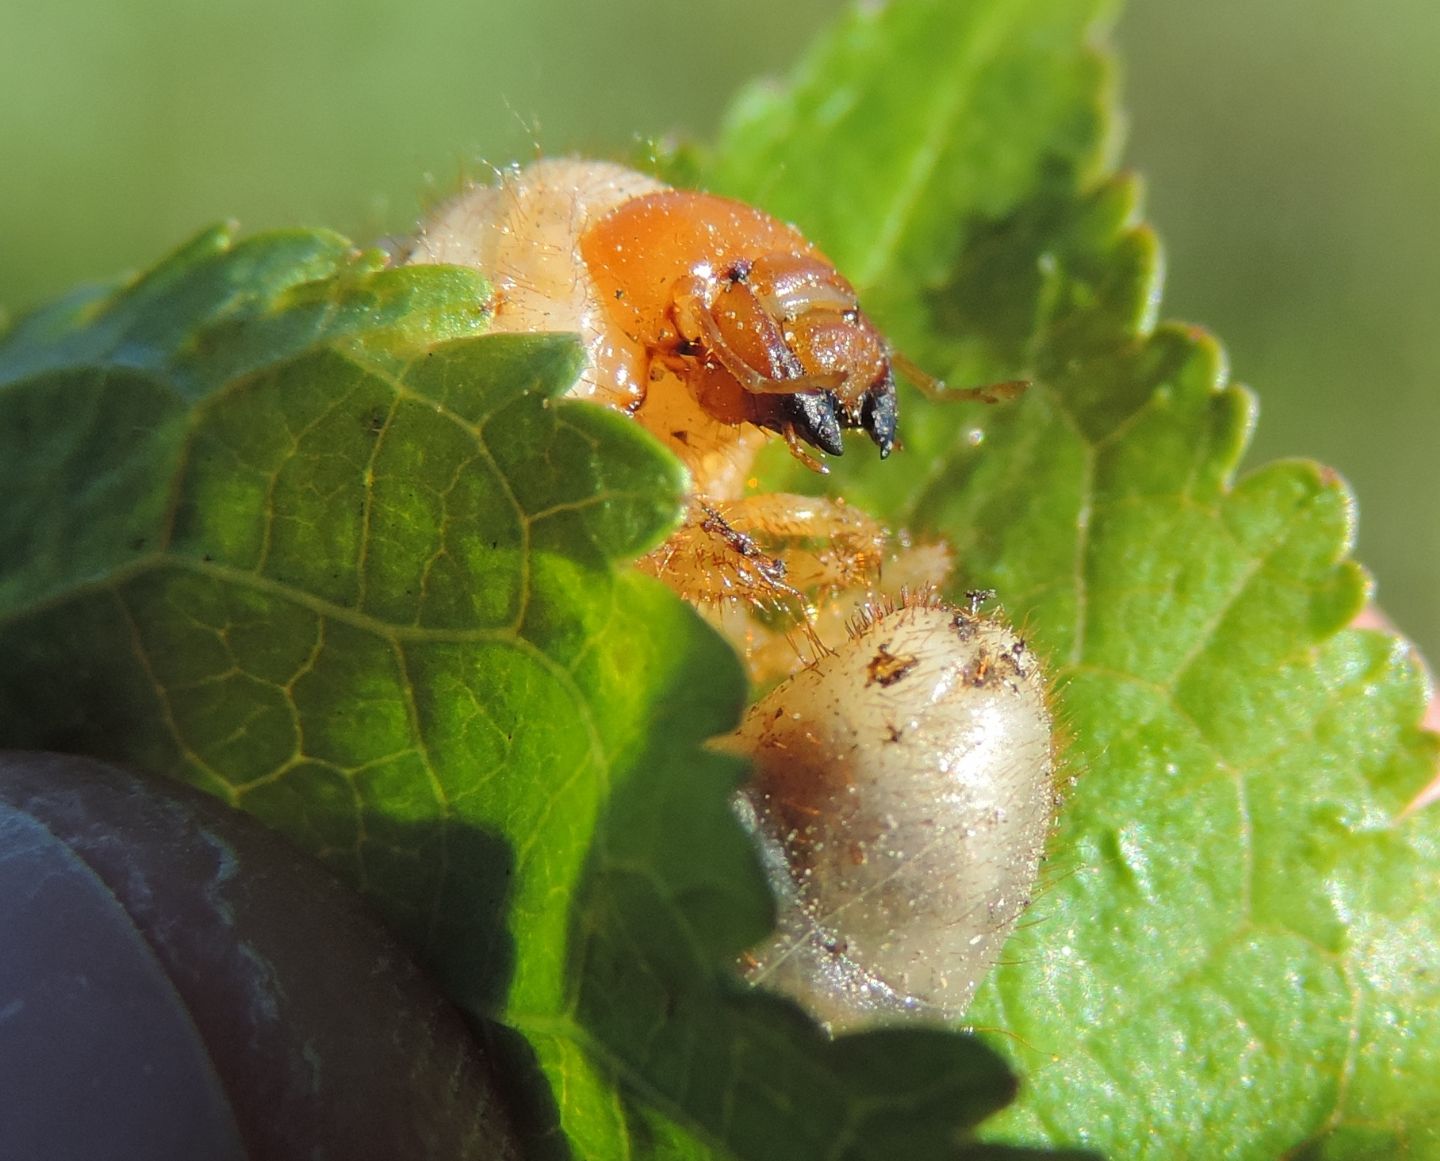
{"points": [[903, 789]]}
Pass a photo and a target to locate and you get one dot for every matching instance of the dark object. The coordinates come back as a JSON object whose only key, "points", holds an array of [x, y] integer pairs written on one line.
{"points": [[178, 982]]}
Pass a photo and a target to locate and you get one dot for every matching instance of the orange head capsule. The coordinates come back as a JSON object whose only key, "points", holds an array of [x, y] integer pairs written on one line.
{"points": [[748, 314]]}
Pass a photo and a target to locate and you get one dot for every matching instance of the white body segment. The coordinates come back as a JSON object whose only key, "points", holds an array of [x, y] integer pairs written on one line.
{"points": [[524, 235], [902, 794]]}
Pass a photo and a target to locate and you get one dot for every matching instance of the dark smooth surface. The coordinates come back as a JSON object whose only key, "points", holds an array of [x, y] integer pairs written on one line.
{"points": [[180, 982], [98, 1055]]}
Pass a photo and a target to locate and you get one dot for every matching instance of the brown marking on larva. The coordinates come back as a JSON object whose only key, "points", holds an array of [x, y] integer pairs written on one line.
{"points": [[964, 625], [797, 815], [885, 668], [802, 788], [1014, 655], [739, 270]]}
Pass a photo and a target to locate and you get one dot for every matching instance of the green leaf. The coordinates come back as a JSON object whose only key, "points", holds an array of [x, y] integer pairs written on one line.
{"points": [[277, 522], [1234, 952], [285, 527]]}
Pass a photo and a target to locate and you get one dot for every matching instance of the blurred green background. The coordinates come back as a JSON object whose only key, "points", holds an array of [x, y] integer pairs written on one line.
{"points": [[1291, 147]]}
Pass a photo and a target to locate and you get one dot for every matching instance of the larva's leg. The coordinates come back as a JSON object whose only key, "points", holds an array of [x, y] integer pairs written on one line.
{"points": [[779, 574], [697, 323], [709, 561], [768, 550], [826, 545], [938, 389]]}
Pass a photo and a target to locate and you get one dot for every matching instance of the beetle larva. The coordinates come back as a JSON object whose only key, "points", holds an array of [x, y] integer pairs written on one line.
{"points": [[903, 789]]}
